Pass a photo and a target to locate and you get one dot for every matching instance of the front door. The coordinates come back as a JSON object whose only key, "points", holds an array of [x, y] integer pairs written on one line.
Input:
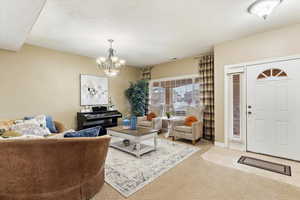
{"points": [[273, 109]]}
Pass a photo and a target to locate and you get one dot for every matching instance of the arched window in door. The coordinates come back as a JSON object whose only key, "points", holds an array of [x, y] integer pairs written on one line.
{"points": [[274, 72]]}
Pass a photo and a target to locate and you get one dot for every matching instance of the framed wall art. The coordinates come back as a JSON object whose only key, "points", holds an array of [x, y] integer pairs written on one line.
{"points": [[93, 90]]}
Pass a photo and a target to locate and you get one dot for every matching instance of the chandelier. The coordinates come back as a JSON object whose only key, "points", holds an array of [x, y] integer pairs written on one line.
{"points": [[112, 64]]}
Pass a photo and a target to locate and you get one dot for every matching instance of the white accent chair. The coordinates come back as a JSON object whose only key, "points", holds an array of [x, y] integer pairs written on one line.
{"points": [[155, 123], [193, 132]]}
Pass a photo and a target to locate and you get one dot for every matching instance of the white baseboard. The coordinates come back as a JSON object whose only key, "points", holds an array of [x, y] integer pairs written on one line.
{"points": [[220, 144]]}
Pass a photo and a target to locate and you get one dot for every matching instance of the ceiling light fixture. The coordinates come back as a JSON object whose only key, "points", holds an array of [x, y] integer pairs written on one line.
{"points": [[263, 8], [112, 64]]}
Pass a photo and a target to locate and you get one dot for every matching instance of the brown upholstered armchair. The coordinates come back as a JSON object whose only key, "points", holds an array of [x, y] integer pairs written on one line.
{"points": [[193, 132], [52, 169]]}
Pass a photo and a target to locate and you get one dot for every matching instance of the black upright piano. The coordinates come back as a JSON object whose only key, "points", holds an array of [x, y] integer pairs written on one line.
{"points": [[105, 119]]}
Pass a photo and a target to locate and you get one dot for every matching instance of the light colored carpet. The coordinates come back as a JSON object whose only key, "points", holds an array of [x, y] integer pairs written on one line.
{"points": [[229, 158], [127, 173], [196, 179]]}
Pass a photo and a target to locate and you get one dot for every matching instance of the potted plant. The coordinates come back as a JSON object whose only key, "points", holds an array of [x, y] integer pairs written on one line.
{"points": [[137, 96], [168, 114]]}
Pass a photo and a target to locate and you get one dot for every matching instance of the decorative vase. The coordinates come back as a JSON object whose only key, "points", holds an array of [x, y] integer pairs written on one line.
{"points": [[126, 124], [133, 122]]}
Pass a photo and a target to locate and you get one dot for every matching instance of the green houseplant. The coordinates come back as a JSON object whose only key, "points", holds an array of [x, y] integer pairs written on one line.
{"points": [[137, 96], [168, 114]]}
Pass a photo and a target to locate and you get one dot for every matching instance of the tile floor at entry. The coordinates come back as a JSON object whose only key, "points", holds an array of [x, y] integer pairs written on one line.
{"points": [[229, 158], [196, 178]]}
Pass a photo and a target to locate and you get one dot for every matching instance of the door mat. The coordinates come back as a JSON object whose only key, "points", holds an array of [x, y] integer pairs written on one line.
{"points": [[266, 165]]}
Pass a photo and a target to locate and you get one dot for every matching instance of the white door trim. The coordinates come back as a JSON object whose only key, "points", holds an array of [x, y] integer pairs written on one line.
{"points": [[242, 68], [263, 61], [230, 142]]}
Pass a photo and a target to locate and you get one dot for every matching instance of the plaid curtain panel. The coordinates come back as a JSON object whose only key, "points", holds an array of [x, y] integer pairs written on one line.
{"points": [[206, 70], [146, 75]]}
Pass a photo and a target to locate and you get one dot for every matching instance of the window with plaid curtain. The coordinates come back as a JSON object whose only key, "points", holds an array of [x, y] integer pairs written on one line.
{"points": [[206, 71]]}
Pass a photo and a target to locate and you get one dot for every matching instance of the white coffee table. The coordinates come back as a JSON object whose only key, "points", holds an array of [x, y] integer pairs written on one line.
{"points": [[136, 138]]}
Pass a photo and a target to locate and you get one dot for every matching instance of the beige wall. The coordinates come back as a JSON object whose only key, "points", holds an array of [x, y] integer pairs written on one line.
{"points": [[180, 67], [275, 43], [37, 80]]}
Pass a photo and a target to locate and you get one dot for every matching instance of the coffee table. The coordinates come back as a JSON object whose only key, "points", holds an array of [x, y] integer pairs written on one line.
{"points": [[136, 138]]}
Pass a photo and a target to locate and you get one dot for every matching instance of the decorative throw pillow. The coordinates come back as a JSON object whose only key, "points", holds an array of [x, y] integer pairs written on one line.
{"points": [[30, 121], [6, 124], [41, 119], [190, 120], [18, 121], [150, 116], [30, 129], [90, 132], [28, 118], [48, 121], [50, 124], [8, 134]]}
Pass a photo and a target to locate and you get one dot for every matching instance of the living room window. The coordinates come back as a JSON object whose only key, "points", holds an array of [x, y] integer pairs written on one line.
{"points": [[175, 93], [157, 95]]}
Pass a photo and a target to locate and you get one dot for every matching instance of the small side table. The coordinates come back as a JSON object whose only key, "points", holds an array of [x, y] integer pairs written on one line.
{"points": [[170, 122]]}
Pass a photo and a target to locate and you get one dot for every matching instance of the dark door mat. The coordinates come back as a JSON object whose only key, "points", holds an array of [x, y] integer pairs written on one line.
{"points": [[266, 165]]}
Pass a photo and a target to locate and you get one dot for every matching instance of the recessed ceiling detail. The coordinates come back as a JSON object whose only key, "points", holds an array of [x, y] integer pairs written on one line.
{"points": [[17, 19]]}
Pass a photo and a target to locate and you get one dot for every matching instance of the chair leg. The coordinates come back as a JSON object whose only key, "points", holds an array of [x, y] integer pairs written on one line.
{"points": [[193, 142]]}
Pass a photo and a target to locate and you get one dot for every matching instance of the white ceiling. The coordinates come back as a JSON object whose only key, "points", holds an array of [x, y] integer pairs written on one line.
{"points": [[150, 31], [16, 20]]}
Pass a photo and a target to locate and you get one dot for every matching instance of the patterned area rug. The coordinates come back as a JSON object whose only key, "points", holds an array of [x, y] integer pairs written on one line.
{"points": [[127, 174]]}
